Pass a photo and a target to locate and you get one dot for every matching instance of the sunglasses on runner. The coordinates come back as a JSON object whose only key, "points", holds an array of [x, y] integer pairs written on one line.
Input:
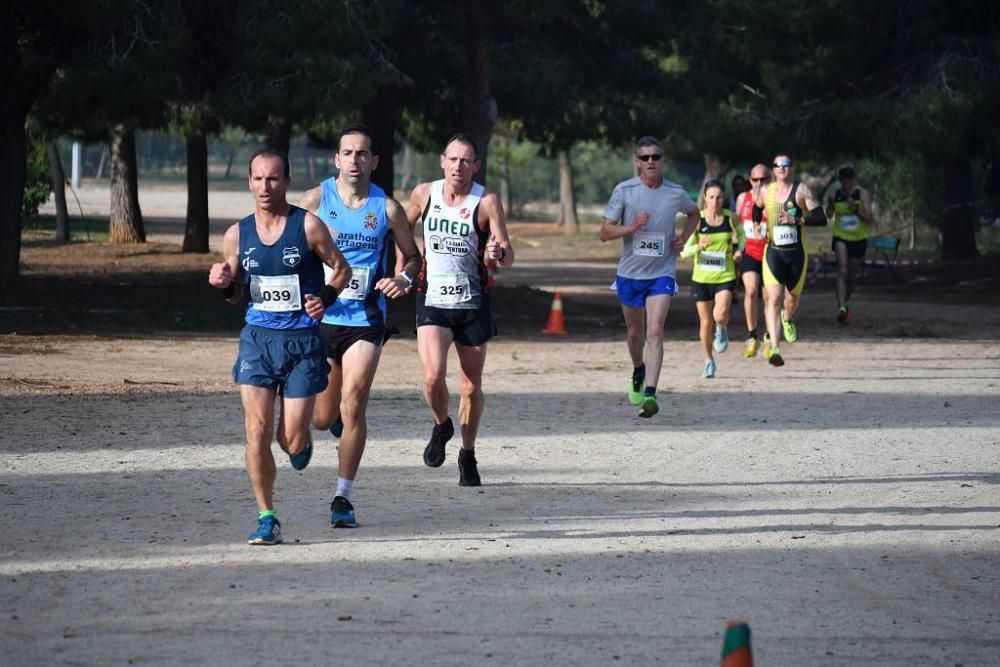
{"points": [[652, 156], [762, 179], [782, 165]]}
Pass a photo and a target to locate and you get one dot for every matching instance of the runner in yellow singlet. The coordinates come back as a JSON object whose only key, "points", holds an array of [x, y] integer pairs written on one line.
{"points": [[850, 208], [713, 278], [789, 206]]}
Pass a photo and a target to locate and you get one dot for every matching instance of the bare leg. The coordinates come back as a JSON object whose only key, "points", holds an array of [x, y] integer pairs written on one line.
{"points": [[293, 427], [723, 302], [843, 268], [359, 364], [657, 307], [327, 407], [470, 388], [258, 417], [751, 286], [432, 344], [853, 265], [705, 326], [635, 330], [772, 312]]}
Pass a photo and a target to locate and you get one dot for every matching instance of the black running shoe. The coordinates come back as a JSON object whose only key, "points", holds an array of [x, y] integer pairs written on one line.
{"points": [[468, 472], [434, 451]]}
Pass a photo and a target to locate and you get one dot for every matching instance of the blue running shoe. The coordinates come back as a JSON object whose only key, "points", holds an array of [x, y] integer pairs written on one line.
{"points": [[721, 343], [342, 513], [337, 428], [301, 460], [709, 369], [268, 531]]}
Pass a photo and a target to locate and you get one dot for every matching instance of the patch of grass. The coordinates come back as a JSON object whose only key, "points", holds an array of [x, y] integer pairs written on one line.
{"points": [[43, 227]]}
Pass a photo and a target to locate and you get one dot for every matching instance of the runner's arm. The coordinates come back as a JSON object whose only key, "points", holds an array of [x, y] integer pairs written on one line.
{"points": [[498, 247], [865, 211], [321, 243], [311, 199], [815, 216], [227, 275], [689, 226], [407, 254]]}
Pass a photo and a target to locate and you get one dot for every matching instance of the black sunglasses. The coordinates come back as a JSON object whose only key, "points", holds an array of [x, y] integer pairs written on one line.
{"points": [[759, 180], [652, 156]]}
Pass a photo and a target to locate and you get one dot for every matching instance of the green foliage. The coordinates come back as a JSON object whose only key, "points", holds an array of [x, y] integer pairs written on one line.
{"points": [[37, 182], [902, 186]]}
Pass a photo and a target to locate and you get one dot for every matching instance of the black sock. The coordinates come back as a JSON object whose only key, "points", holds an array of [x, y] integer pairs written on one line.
{"points": [[639, 373], [752, 334], [650, 391]]}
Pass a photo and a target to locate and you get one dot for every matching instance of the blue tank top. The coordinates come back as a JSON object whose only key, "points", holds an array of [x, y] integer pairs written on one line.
{"points": [[279, 275], [360, 234]]}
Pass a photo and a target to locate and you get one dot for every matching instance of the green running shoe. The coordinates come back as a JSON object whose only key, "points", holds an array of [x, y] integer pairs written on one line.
{"points": [[635, 390], [791, 333], [649, 407]]}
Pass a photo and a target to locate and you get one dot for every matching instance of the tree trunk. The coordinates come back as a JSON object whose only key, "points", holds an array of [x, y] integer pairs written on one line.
{"points": [[58, 190], [479, 109], [99, 174], [958, 229], [407, 176], [913, 229], [505, 186], [12, 174], [278, 134], [381, 115], [229, 164], [196, 227], [567, 198], [126, 217], [715, 169]]}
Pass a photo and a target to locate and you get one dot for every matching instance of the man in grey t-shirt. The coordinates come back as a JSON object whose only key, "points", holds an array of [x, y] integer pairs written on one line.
{"points": [[643, 212]]}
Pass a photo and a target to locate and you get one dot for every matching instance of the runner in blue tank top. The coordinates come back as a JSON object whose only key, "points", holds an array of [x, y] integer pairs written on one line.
{"points": [[360, 217], [277, 255]]}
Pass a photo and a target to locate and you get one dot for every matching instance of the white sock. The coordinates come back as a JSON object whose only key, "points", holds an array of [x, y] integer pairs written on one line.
{"points": [[344, 487]]}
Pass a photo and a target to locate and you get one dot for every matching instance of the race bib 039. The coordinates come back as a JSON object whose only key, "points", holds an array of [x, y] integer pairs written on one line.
{"points": [[276, 294]]}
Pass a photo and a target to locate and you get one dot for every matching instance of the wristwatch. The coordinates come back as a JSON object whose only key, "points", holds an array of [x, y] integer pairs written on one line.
{"points": [[408, 278]]}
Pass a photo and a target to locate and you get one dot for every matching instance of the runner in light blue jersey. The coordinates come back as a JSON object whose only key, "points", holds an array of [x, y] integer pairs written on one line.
{"points": [[360, 216]]}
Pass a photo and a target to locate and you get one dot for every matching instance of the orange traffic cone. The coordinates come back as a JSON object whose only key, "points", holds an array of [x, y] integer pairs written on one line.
{"points": [[736, 645], [555, 325]]}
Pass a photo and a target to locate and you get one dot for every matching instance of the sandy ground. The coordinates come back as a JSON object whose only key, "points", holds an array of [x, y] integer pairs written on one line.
{"points": [[846, 505]]}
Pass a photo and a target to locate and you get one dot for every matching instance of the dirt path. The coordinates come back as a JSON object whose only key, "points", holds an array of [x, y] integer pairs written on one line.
{"points": [[847, 505]]}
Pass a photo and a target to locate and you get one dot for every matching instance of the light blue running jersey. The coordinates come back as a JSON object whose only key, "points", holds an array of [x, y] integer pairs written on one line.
{"points": [[360, 234], [280, 275]]}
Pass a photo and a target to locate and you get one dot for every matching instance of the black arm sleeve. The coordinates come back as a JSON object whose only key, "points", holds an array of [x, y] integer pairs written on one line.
{"points": [[816, 217]]}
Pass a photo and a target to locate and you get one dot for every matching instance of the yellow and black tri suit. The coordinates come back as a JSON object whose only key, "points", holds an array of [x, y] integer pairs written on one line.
{"points": [[714, 269], [785, 256]]}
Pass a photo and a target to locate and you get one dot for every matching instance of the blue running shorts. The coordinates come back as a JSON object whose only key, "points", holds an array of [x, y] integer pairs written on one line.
{"points": [[293, 359], [632, 292]]}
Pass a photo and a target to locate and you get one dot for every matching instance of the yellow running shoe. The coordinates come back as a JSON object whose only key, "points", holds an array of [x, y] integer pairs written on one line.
{"points": [[750, 348], [767, 346]]}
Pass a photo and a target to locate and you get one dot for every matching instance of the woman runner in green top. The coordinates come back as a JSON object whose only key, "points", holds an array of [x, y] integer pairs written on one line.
{"points": [[713, 278]]}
